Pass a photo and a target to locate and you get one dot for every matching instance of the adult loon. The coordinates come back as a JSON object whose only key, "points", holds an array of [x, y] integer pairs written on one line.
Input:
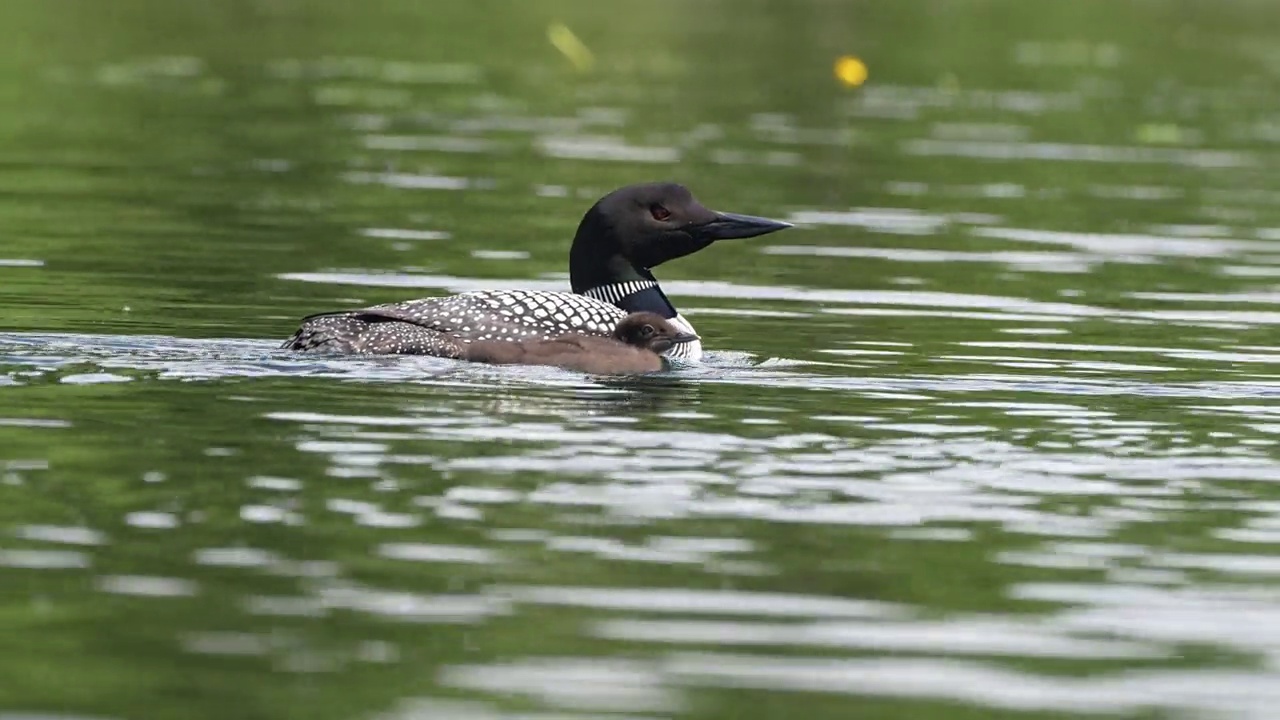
{"points": [[634, 348], [620, 239]]}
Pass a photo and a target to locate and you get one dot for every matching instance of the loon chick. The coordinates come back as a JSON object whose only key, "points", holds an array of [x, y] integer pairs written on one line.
{"points": [[620, 239], [636, 347]]}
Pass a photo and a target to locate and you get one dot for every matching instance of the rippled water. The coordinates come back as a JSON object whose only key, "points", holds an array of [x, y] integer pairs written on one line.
{"points": [[990, 434]]}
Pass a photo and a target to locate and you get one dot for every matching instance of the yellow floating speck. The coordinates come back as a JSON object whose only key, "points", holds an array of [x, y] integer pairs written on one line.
{"points": [[850, 71], [570, 46]]}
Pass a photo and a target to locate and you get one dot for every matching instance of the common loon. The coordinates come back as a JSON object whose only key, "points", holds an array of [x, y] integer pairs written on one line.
{"points": [[634, 348], [620, 239]]}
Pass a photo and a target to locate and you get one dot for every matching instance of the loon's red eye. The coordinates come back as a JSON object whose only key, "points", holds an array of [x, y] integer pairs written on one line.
{"points": [[659, 213]]}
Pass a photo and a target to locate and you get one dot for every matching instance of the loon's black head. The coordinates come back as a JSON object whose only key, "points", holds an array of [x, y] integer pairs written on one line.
{"points": [[650, 331], [639, 227]]}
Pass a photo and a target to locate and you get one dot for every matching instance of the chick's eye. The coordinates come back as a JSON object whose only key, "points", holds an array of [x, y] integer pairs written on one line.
{"points": [[659, 213], [646, 331]]}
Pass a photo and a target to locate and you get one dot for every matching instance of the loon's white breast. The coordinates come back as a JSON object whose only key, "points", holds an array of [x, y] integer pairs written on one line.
{"points": [[691, 350]]}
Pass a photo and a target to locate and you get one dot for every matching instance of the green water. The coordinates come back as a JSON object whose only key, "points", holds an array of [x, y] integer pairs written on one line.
{"points": [[990, 434]]}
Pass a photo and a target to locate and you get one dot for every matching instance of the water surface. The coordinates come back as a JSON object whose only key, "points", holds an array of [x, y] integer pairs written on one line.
{"points": [[990, 434]]}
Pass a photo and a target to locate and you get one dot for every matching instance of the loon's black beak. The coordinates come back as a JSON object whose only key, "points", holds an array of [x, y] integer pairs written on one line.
{"points": [[729, 226], [683, 337]]}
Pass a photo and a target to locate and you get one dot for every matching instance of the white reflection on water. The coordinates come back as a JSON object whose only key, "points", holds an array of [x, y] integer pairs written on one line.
{"points": [[962, 637], [700, 602], [62, 535], [146, 586], [422, 552], [574, 683], [1029, 261], [1145, 246], [605, 148], [1069, 152], [43, 559], [1242, 694], [409, 181]]}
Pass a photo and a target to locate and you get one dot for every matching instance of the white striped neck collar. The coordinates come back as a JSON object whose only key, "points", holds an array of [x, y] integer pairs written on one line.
{"points": [[614, 293], [635, 296]]}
